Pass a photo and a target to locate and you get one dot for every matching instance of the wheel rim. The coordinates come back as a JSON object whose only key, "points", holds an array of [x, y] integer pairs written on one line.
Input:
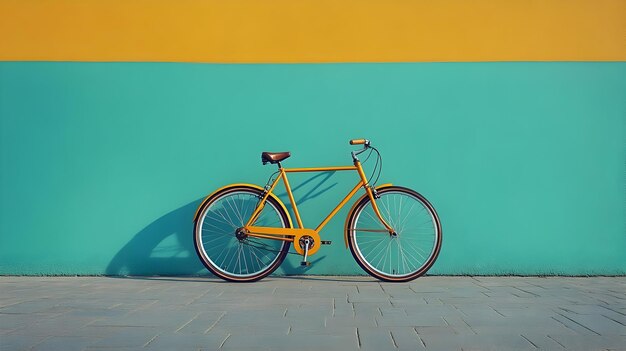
{"points": [[223, 251], [406, 254]]}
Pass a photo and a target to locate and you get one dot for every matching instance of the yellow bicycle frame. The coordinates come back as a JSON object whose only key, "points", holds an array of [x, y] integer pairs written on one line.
{"points": [[288, 234]]}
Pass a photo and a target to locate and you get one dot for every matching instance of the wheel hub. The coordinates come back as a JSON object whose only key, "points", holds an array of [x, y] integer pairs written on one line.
{"points": [[241, 234]]}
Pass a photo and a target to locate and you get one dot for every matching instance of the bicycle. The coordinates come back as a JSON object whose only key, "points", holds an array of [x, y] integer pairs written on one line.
{"points": [[242, 232]]}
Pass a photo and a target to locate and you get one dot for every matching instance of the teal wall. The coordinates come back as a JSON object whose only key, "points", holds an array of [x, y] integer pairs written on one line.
{"points": [[103, 164]]}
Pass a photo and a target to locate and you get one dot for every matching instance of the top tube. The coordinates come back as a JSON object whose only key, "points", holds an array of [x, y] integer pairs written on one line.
{"points": [[320, 169]]}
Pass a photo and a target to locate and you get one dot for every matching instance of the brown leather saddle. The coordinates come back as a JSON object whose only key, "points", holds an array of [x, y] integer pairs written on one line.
{"points": [[274, 157]]}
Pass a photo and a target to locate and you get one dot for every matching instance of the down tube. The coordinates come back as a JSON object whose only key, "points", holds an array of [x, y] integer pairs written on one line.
{"points": [[341, 204]]}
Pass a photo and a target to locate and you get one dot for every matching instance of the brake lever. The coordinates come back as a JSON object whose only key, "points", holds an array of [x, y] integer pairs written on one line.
{"points": [[356, 153]]}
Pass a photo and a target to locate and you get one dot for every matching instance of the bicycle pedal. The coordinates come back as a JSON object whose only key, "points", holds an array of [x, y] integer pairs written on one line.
{"points": [[326, 242], [305, 263]]}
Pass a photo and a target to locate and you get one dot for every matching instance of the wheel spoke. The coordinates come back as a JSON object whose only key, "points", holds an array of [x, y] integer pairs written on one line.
{"points": [[222, 252], [218, 219], [409, 253]]}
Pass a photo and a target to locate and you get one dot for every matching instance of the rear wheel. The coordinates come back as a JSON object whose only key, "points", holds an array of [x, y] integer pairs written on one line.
{"points": [[401, 257], [240, 258]]}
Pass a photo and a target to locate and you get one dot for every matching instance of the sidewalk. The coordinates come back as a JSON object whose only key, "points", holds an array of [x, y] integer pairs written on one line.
{"points": [[312, 313]]}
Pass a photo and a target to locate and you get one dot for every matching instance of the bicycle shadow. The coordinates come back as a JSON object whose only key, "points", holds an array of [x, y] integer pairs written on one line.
{"points": [[311, 194], [165, 246]]}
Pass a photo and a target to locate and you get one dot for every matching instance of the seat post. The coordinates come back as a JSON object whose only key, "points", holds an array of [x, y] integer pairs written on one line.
{"points": [[279, 165]]}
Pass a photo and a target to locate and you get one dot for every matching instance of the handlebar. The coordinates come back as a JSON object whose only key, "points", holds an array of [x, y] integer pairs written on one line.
{"points": [[360, 142]]}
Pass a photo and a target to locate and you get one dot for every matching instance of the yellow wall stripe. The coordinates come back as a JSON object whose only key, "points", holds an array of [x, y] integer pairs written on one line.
{"points": [[313, 30]]}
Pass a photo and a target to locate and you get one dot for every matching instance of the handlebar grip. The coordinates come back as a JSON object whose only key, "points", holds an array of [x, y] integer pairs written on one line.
{"points": [[358, 141]]}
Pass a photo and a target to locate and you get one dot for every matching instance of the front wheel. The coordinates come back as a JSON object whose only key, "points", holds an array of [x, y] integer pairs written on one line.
{"points": [[401, 257], [241, 259]]}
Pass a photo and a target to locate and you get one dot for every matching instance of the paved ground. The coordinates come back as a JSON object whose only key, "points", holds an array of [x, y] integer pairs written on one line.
{"points": [[313, 313]]}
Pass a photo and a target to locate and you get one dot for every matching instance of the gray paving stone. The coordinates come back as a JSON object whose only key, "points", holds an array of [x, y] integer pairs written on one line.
{"points": [[139, 320], [310, 323], [327, 342], [348, 321], [369, 309], [505, 329], [98, 331], [54, 327], [433, 300], [19, 342], [16, 321], [406, 338], [289, 342], [366, 297], [600, 324], [589, 342], [6, 301], [38, 306], [306, 311], [459, 323], [542, 341], [341, 308], [439, 309], [173, 341], [201, 323], [260, 328], [478, 309], [406, 302], [243, 319], [582, 309], [575, 326], [372, 288], [65, 343], [375, 339], [393, 312], [128, 337], [478, 342], [614, 316], [412, 321], [524, 311], [312, 313], [486, 320], [443, 332], [418, 318]]}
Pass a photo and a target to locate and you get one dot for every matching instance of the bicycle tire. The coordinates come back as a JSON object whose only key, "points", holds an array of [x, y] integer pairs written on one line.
{"points": [[365, 243], [224, 229]]}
